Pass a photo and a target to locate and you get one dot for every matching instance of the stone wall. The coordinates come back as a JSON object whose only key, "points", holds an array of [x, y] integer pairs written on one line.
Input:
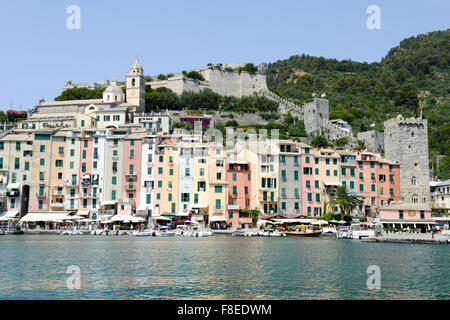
{"points": [[406, 141], [373, 139]]}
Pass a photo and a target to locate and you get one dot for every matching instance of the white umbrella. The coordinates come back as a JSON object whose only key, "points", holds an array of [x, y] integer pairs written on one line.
{"points": [[319, 222], [260, 222]]}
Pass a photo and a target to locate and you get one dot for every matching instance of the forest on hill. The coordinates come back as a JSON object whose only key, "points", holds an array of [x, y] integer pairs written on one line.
{"points": [[412, 78]]}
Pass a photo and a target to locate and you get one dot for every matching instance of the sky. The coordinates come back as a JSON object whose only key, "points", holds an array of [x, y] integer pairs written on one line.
{"points": [[39, 53]]}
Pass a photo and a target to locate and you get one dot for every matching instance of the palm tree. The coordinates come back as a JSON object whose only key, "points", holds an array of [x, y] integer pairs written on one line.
{"points": [[361, 145], [343, 200]]}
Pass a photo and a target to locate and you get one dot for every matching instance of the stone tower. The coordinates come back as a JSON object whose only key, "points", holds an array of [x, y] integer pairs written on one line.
{"points": [[406, 141], [136, 86], [314, 114]]}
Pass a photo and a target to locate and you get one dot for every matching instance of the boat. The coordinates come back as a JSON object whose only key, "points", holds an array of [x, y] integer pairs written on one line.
{"points": [[96, 232], [71, 232], [165, 234], [365, 230], [329, 231], [239, 233], [344, 232], [2, 232], [304, 231], [144, 233]]}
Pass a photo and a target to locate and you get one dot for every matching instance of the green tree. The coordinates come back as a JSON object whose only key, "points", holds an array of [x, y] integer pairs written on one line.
{"points": [[345, 202], [319, 141]]}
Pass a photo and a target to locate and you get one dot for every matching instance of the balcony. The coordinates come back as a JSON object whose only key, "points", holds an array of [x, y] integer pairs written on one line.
{"points": [[131, 173], [57, 205], [131, 187], [41, 195]]}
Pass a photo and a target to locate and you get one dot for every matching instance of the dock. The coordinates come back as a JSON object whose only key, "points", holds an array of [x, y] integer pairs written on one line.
{"points": [[419, 238]]}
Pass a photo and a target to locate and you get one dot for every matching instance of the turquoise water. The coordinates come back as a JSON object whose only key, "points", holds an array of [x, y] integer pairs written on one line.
{"points": [[220, 267]]}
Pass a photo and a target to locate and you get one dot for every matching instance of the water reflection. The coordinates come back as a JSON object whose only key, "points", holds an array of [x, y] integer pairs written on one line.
{"points": [[222, 267]]}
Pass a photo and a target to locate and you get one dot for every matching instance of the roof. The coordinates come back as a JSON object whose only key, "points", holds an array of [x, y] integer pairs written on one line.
{"points": [[439, 183], [18, 137], [406, 206]]}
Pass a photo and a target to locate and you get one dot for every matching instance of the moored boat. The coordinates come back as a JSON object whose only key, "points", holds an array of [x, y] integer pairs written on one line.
{"points": [[304, 231]]}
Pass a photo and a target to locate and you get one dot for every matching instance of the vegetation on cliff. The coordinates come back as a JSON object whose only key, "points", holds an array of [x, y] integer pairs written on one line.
{"points": [[412, 77]]}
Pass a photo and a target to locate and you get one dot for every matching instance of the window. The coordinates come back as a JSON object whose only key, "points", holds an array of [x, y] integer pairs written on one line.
{"points": [[296, 175], [1, 163], [308, 184], [218, 204], [60, 149], [361, 175], [218, 189], [309, 196], [327, 161], [218, 176], [413, 181], [361, 187], [391, 191], [42, 148], [160, 183], [234, 177], [196, 198], [41, 204], [352, 185], [58, 163], [85, 142], [328, 172], [131, 152], [316, 160], [246, 190], [113, 194], [373, 187], [234, 189], [16, 163], [316, 171], [317, 197], [42, 161], [422, 214], [316, 183], [306, 159], [335, 173], [170, 197], [27, 166], [114, 180], [306, 150], [84, 154], [372, 164], [171, 172], [352, 172], [400, 214]]}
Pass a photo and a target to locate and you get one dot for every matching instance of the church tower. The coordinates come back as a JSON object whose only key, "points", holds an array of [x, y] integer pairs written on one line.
{"points": [[136, 86]]}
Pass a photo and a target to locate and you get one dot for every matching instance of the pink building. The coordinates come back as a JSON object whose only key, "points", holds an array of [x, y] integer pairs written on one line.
{"points": [[239, 192], [132, 158], [86, 165], [403, 215], [308, 189], [158, 173], [378, 181]]}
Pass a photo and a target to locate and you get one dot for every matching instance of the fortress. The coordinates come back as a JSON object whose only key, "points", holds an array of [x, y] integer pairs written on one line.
{"points": [[227, 79]]}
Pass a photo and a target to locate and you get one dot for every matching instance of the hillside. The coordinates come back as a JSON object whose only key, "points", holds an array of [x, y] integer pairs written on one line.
{"points": [[413, 76]]}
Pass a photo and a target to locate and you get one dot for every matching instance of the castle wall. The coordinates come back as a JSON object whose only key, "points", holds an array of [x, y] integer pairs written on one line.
{"points": [[406, 141], [373, 139], [314, 114]]}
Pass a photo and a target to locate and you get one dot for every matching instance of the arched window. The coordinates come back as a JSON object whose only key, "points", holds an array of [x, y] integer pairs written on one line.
{"points": [[413, 181], [133, 82], [415, 199]]}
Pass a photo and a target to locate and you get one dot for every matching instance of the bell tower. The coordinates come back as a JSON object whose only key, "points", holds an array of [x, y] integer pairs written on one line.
{"points": [[136, 86]]}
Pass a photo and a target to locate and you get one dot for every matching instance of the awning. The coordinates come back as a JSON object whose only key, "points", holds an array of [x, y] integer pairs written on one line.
{"points": [[218, 219], [8, 215], [44, 217], [408, 221], [199, 206], [109, 202], [83, 212], [332, 183], [74, 217], [126, 218], [354, 194], [182, 214], [161, 218], [319, 222], [260, 222], [13, 186], [168, 215], [281, 221]]}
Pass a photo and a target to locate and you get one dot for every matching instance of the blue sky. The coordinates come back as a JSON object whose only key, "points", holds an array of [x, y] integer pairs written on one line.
{"points": [[38, 53]]}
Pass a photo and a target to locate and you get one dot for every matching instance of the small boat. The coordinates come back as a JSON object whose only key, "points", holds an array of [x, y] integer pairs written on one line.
{"points": [[304, 231], [239, 233], [344, 232], [96, 232], [329, 231], [145, 233], [71, 232]]}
